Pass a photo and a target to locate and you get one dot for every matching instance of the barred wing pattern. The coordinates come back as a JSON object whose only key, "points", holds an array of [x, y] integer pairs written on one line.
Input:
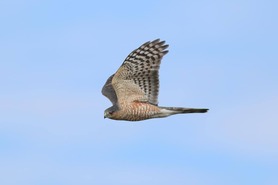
{"points": [[141, 67]]}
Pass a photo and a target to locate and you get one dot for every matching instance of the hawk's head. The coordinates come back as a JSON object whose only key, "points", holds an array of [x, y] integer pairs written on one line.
{"points": [[108, 113]]}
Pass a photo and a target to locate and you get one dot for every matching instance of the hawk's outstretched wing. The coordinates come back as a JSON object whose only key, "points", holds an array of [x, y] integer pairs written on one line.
{"points": [[138, 78]]}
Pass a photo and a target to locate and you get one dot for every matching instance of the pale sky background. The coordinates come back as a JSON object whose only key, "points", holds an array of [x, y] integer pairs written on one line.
{"points": [[55, 57]]}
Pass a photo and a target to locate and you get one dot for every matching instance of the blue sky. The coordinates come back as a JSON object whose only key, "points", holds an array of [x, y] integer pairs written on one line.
{"points": [[56, 55]]}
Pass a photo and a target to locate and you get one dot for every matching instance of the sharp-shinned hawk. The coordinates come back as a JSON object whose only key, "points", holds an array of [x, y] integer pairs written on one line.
{"points": [[133, 89]]}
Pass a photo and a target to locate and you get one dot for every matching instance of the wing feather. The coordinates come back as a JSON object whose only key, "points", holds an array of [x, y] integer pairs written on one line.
{"points": [[138, 76], [109, 91]]}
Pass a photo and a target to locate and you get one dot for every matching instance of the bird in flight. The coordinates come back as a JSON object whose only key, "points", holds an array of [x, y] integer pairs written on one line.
{"points": [[133, 89]]}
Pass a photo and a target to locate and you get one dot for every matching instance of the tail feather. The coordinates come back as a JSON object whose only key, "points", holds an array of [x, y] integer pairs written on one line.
{"points": [[181, 110]]}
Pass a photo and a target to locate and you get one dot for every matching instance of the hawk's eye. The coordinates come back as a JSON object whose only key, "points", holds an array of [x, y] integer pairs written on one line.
{"points": [[111, 112]]}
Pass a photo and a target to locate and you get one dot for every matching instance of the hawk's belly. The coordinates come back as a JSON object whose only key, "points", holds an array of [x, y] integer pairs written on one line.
{"points": [[137, 111]]}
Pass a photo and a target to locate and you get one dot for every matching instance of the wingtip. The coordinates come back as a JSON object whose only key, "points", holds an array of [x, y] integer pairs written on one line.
{"points": [[156, 40]]}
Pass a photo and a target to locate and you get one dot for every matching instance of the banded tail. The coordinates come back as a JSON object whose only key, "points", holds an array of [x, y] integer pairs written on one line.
{"points": [[181, 110], [168, 111]]}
